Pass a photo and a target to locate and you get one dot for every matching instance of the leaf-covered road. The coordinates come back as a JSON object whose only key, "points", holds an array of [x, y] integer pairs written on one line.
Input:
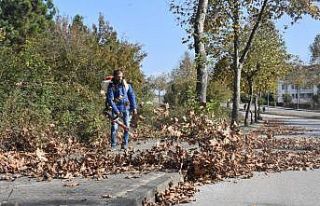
{"points": [[292, 188], [219, 152]]}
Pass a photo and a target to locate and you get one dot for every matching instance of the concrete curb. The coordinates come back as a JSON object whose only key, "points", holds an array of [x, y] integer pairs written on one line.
{"points": [[147, 191], [120, 189], [293, 109]]}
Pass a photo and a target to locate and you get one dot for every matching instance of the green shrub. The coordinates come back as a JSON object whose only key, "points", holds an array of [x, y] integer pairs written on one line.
{"points": [[73, 110]]}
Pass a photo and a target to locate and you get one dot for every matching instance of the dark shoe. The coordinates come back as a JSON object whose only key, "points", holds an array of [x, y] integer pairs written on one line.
{"points": [[124, 147]]}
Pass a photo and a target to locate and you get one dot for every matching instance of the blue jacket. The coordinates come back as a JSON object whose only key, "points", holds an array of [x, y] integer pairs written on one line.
{"points": [[120, 97]]}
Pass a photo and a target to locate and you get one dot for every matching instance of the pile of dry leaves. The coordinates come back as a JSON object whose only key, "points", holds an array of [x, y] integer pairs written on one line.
{"points": [[225, 152], [275, 127], [221, 153]]}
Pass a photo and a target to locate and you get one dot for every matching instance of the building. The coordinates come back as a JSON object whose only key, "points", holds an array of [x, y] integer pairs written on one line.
{"points": [[301, 95], [310, 75]]}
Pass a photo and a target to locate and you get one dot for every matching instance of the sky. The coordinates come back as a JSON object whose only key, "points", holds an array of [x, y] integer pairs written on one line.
{"points": [[152, 25]]}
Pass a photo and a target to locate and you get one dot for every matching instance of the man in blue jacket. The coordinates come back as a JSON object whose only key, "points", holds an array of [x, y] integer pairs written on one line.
{"points": [[121, 98]]}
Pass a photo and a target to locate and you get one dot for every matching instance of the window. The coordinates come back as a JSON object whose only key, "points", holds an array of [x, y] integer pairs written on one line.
{"points": [[283, 87], [292, 86], [292, 95]]}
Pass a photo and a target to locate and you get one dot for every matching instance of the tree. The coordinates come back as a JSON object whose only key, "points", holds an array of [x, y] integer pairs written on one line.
{"points": [[159, 84], [315, 50], [55, 79], [193, 16], [220, 81], [23, 18], [77, 22], [254, 12], [199, 47], [105, 34], [266, 62], [287, 99], [227, 19], [239, 58], [181, 87], [114, 53]]}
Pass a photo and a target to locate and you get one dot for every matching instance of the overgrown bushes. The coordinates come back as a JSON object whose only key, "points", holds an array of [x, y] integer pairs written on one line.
{"points": [[53, 81]]}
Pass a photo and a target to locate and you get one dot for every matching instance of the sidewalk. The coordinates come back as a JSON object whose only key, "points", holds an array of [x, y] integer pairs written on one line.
{"points": [[116, 190], [121, 189]]}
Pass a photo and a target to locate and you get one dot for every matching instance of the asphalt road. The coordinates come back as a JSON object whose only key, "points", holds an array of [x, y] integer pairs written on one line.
{"points": [[311, 125], [291, 112], [285, 189]]}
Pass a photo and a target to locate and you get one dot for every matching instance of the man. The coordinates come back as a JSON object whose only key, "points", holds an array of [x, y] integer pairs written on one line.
{"points": [[121, 98]]}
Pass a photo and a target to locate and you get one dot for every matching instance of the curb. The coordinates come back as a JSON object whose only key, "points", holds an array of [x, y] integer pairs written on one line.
{"points": [[122, 191], [309, 116], [147, 191]]}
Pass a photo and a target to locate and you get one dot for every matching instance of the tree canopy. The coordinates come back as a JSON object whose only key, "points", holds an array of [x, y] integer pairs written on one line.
{"points": [[23, 18], [226, 20], [54, 76], [315, 50]]}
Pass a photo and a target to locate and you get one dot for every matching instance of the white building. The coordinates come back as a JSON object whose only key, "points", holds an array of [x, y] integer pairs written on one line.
{"points": [[300, 95]]}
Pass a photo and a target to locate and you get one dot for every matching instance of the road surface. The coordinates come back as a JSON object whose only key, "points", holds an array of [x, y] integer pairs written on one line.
{"points": [[291, 188], [285, 189]]}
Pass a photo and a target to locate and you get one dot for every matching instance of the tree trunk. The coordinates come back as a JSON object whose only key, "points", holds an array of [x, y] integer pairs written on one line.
{"points": [[259, 107], [249, 103], [298, 97], [239, 61], [200, 52], [256, 115], [236, 95], [236, 64]]}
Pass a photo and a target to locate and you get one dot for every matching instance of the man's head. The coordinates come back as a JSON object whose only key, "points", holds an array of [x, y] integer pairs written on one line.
{"points": [[117, 76]]}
